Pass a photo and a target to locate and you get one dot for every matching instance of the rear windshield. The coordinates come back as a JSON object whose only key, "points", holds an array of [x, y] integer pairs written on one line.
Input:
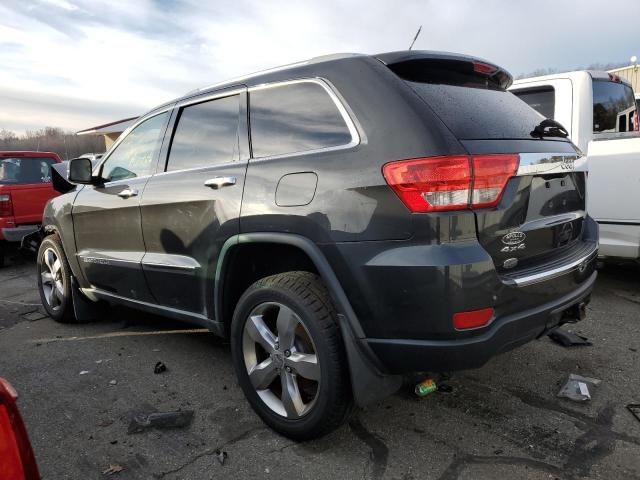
{"points": [[477, 113], [613, 107], [25, 170]]}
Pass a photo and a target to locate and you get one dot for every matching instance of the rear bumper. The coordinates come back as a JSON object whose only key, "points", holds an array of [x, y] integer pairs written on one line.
{"points": [[505, 333], [15, 234]]}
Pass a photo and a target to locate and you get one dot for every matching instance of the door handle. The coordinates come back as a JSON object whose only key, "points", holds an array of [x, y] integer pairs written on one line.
{"points": [[127, 193], [220, 182]]}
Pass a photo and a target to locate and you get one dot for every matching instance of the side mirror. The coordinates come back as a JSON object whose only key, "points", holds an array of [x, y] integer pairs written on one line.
{"points": [[80, 171]]}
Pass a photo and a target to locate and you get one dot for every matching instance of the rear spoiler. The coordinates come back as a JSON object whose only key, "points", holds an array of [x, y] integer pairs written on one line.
{"points": [[448, 68]]}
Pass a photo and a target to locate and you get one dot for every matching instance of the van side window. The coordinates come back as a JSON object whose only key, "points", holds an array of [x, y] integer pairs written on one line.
{"points": [[542, 99], [206, 134], [613, 106], [134, 156], [294, 117]]}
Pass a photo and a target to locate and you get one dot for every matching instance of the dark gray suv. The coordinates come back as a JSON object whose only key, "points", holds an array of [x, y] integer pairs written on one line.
{"points": [[343, 221]]}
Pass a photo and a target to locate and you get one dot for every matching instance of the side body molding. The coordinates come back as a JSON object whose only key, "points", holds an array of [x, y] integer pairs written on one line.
{"points": [[368, 382]]}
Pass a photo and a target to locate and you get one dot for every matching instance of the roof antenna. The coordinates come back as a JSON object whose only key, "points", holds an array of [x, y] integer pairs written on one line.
{"points": [[416, 37]]}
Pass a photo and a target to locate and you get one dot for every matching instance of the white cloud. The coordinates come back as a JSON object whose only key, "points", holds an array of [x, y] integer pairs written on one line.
{"points": [[137, 54]]}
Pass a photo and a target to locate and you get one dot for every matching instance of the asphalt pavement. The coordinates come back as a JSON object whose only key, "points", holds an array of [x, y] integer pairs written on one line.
{"points": [[80, 386]]}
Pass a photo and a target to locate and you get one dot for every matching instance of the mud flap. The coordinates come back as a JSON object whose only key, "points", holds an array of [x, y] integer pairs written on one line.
{"points": [[368, 385], [84, 309]]}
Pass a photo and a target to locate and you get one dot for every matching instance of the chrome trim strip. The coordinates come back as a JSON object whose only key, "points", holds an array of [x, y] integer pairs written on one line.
{"points": [[212, 96], [250, 75], [553, 273], [549, 163], [165, 261]]}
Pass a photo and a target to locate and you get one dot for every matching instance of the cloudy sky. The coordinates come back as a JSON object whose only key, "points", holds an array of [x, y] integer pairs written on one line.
{"points": [[78, 63]]}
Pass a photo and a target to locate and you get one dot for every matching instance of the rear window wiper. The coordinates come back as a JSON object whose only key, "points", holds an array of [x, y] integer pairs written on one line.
{"points": [[549, 128]]}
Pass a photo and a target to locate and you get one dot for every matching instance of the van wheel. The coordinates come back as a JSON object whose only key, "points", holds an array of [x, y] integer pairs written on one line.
{"points": [[289, 356], [54, 280]]}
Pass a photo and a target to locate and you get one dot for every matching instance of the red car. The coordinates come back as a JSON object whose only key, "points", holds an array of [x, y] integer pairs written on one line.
{"points": [[16, 455], [25, 188]]}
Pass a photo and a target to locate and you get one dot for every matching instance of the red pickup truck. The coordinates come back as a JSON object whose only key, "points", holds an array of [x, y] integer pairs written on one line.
{"points": [[25, 188]]}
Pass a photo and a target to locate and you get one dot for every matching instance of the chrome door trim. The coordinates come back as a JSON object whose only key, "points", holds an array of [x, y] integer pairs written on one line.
{"points": [[549, 163]]}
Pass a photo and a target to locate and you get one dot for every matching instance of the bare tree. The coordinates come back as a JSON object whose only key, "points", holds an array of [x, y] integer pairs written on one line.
{"points": [[52, 139]]}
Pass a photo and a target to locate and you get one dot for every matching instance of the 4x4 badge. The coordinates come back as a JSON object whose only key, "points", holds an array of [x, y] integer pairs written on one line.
{"points": [[513, 238]]}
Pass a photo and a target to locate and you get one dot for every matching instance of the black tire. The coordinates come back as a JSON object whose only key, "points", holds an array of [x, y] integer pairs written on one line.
{"points": [[306, 296], [2, 247], [61, 310]]}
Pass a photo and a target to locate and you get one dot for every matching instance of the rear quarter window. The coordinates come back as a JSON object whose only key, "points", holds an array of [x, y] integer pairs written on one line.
{"points": [[478, 113], [295, 117]]}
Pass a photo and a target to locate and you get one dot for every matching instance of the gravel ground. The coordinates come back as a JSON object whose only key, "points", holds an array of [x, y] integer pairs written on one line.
{"points": [[501, 421]]}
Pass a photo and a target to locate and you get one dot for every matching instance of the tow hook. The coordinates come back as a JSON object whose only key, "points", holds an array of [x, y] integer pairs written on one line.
{"points": [[576, 312]]}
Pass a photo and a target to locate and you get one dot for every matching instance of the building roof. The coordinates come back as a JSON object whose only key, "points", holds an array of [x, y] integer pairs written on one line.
{"points": [[113, 127]]}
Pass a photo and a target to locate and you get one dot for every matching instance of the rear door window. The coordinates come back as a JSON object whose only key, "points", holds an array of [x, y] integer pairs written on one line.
{"points": [[295, 117], [25, 170], [206, 134], [614, 107], [542, 100]]}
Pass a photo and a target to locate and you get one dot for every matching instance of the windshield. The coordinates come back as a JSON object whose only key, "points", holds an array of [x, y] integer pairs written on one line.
{"points": [[25, 170], [614, 107]]}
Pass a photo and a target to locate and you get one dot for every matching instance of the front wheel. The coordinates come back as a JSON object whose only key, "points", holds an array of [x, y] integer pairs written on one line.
{"points": [[54, 280], [289, 356]]}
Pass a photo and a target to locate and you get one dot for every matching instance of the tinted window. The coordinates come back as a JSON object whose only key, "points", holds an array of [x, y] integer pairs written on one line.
{"points": [[25, 170], [295, 118], [475, 113], [613, 106], [542, 100], [134, 156], [207, 134]]}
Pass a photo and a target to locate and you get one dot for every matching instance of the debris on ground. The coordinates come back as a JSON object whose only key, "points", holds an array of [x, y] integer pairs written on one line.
{"points": [[425, 387], [445, 388], [567, 338], [113, 468], [176, 419], [578, 388], [113, 382], [84, 372], [105, 423], [634, 408], [159, 368], [221, 455], [34, 316]]}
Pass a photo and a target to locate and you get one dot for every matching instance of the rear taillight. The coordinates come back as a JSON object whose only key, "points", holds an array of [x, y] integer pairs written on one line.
{"points": [[16, 456], [6, 207], [437, 184]]}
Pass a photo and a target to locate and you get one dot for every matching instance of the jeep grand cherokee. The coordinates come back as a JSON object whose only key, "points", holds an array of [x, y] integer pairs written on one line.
{"points": [[343, 221]]}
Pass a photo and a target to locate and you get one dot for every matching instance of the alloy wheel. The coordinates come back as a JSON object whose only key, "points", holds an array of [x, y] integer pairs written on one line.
{"points": [[52, 279], [281, 360]]}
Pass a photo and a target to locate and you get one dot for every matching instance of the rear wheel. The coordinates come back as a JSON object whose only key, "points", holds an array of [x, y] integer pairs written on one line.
{"points": [[289, 356], [54, 280]]}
